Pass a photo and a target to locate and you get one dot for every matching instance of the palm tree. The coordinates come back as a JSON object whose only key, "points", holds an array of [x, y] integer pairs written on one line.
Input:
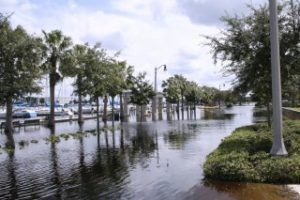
{"points": [[56, 45]]}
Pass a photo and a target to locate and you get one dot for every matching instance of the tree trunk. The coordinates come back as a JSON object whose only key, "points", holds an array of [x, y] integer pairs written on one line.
{"points": [[177, 110], [8, 124], [182, 108], [195, 110], [121, 108], [51, 122], [168, 111], [269, 115], [187, 112], [80, 118], [142, 113], [113, 109], [122, 139], [97, 110], [104, 117]]}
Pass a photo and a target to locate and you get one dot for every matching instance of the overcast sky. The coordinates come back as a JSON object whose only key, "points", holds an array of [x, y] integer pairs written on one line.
{"points": [[148, 33]]}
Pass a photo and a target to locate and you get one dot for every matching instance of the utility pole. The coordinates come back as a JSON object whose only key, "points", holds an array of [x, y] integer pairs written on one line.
{"points": [[154, 100], [278, 148]]}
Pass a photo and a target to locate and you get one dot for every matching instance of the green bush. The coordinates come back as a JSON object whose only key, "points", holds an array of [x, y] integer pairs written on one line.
{"points": [[244, 156]]}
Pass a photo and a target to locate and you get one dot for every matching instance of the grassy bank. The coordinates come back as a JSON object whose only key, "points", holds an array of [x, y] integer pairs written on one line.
{"points": [[244, 156]]}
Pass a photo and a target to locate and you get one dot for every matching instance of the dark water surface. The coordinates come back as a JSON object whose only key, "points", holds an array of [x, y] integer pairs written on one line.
{"points": [[161, 160]]}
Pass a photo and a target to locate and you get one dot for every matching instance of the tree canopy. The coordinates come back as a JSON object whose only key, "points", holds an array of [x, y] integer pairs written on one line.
{"points": [[244, 49]]}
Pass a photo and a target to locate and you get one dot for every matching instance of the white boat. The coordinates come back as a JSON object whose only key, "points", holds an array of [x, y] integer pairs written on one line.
{"points": [[85, 109], [2, 114], [24, 113], [45, 111]]}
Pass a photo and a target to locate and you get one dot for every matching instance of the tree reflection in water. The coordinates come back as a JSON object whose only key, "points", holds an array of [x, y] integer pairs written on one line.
{"points": [[142, 145], [55, 179], [216, 114], [13, 189], [178, 137]]}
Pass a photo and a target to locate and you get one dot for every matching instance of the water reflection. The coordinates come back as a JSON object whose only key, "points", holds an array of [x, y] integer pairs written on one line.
{"points": [[177, 137], [160, 160], [13, 190], [56, 179], [219, 114]]}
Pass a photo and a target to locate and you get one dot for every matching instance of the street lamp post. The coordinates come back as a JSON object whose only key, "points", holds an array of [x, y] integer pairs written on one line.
{"points": [[155, 90], [278, 147]]}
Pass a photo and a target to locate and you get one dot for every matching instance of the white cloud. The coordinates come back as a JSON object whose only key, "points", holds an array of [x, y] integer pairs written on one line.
{"points": [[149, 33]]}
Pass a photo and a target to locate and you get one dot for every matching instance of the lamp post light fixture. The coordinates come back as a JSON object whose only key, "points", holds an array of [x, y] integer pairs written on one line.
{"points": [[155, 90], [278, 148]]}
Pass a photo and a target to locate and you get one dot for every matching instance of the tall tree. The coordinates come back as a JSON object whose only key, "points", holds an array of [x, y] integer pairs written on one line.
{"points": [[181, 83], [244, 49], [74, 64], [193, 93], [20, 59], [96, 74], [56, 46], [141, 92], [119, 79]]}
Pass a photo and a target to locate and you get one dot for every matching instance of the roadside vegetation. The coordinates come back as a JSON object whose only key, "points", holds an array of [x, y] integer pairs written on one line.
{"points": [[244, 156], [243, 47]]}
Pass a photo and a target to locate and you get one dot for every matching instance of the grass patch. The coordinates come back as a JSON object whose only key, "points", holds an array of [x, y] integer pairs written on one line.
{"points": [[244, 156], [23, 143], [9, 150], [53, 139], [65, 136]]}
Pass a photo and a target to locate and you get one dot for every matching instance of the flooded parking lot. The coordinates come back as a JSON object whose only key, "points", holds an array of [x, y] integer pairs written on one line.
{"points": [[150, 160]]}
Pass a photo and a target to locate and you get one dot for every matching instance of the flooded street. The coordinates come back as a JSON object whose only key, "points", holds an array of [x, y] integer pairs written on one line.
{"points": [[160, 160]]}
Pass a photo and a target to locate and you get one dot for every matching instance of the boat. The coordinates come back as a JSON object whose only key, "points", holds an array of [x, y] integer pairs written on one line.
{"points": [[2, 114], [85, 109], [24, 113], [45, 111]]}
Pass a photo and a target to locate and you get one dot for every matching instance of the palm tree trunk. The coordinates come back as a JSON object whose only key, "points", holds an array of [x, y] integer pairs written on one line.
{"points": [[8, 124], [121, 108], [51, 122]]}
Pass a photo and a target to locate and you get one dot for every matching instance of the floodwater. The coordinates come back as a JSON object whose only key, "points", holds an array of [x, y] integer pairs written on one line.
{"points": [[161, 160]]}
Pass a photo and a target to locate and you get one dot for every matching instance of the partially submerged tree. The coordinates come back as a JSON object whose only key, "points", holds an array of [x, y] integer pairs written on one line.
{"points": [[20, 59], [96, 74], [141, 92], [74, 64], [56, 45], [193, 93]]}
